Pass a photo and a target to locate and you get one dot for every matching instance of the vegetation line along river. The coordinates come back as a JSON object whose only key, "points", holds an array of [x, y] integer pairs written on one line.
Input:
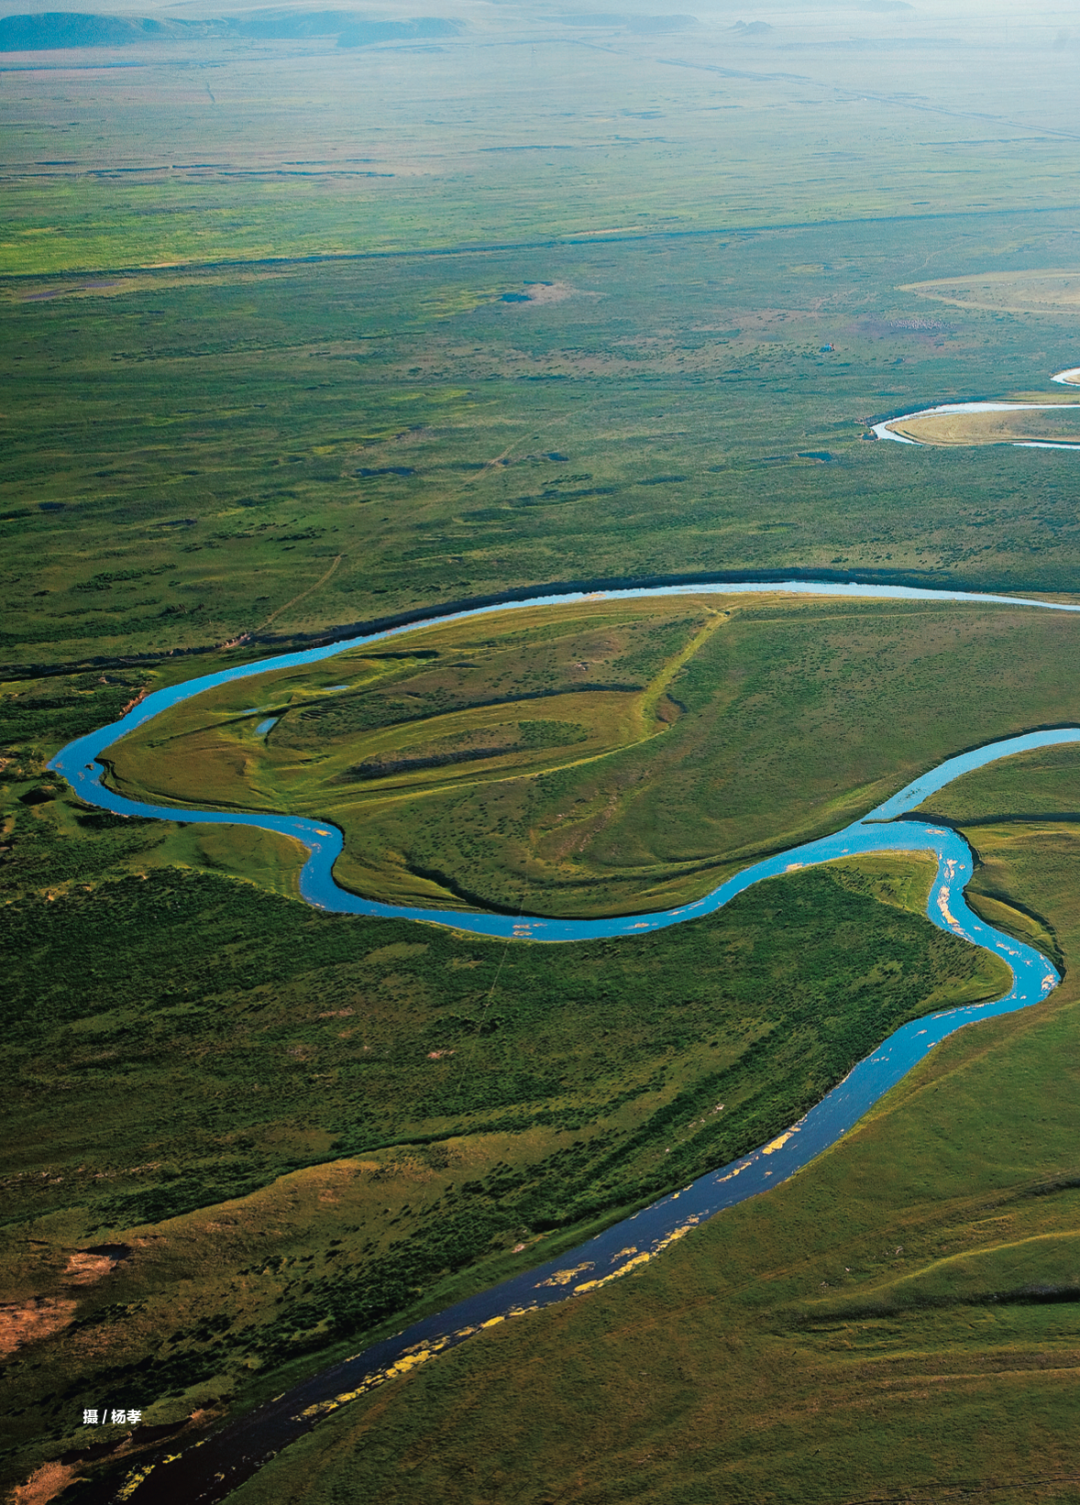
{"points": [[210, 1471]]}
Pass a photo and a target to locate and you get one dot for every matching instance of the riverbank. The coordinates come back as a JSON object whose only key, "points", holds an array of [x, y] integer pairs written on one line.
{"points": [[242, 1449]]}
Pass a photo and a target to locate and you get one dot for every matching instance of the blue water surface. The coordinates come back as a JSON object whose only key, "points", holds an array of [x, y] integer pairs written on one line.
{"points": [[240, 1449], [1033, 974]]}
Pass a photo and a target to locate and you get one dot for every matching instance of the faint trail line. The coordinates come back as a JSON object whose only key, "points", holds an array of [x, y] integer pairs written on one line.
{"points": [[649, 699], [497, 462], [662, 681], [321, 581]]}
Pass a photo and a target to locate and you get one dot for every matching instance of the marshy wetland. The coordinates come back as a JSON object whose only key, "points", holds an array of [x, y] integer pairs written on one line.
{"points": [[303, 339], [604, 756]]}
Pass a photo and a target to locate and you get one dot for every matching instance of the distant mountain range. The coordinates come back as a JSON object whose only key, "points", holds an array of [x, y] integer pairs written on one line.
{"points": [[55, 29], [642, 25]]}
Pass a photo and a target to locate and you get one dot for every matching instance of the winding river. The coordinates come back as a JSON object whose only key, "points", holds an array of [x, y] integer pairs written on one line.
{"points": [[1070, 378], [211, 1470]]}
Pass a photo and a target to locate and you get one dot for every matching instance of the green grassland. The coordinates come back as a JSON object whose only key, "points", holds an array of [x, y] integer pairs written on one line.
{"points": [[320, 1125], [1029, 786], [302, 449], [897, 1322], [595, 306], [233, 446], [610, 756], [524, 128]]}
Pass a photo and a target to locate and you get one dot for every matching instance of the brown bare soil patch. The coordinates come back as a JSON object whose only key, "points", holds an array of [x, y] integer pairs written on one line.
{"points": [[44, 1484], [83, 1269], [30, 1321]]}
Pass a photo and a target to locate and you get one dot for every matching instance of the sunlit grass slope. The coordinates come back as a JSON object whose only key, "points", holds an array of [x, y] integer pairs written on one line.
{"points": [[609, 756], [899, 1322], [314, 1126]]}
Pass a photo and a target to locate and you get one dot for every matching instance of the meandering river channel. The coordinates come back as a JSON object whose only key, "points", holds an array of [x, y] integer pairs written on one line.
{"points": [[1069, 378], [210, 1471]]}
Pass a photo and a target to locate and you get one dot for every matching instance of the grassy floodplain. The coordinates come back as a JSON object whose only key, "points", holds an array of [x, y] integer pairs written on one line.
{"points": [[1032, 291], [725, 273], [540, 340], [1059, 425], [331, 1124], [530, 126], [441, 1102], [897, 1322], [284, 451], [608, 756]]}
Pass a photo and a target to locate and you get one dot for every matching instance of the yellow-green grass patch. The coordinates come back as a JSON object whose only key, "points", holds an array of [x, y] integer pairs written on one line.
{"points": [[1051, 290], [897, 1321], [611, 756], [1036, 425]]}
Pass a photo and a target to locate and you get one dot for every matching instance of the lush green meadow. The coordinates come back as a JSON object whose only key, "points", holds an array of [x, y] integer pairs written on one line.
{"points": [[609, 756], [300, 449], [298, 338], [319, 1125], [328, 1123], [897, 1322], [729, 262]]}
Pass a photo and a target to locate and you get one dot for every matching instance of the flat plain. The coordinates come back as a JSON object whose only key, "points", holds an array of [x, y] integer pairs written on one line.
{"points": [[300, 338], [607, 757], [898, 1322], [1038, 423]]}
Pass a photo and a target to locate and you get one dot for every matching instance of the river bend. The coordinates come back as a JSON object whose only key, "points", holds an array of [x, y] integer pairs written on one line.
{"points": [[211, 1470]]}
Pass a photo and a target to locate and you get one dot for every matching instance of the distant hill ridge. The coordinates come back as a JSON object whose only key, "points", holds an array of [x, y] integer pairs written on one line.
{"points": [[640, 24], [59, 29]]}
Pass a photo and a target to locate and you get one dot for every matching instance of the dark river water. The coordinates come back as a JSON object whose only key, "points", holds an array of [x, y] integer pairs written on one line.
{"points": [[210, 1471]]}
